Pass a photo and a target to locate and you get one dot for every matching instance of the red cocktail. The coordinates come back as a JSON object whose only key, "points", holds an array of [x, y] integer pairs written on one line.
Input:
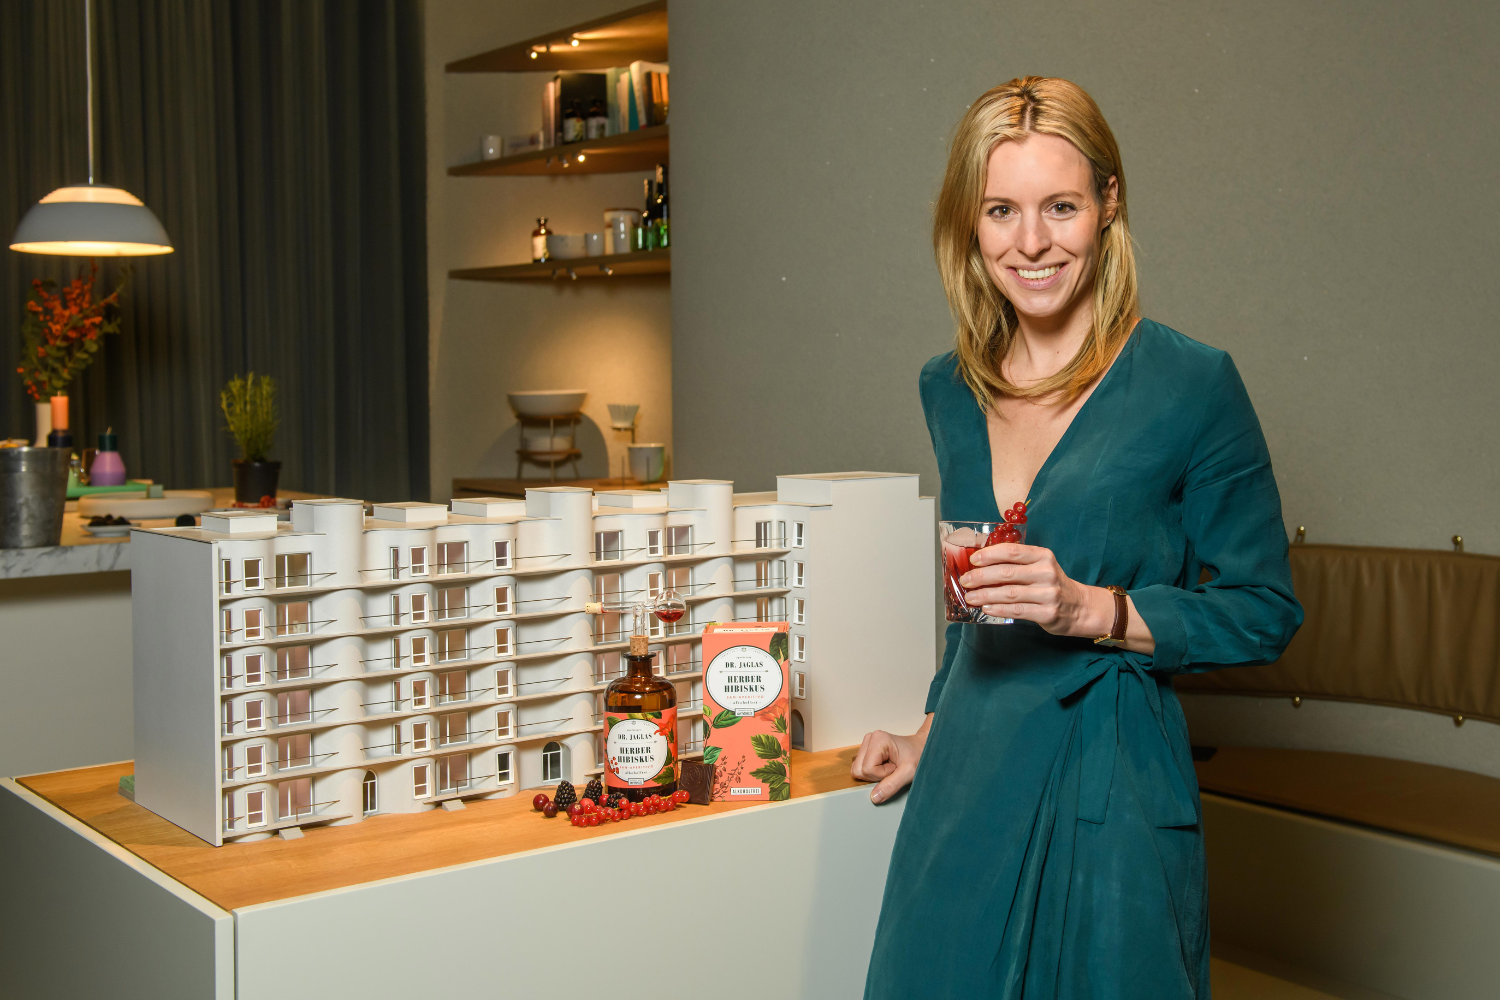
{"points": [[961, 539]]}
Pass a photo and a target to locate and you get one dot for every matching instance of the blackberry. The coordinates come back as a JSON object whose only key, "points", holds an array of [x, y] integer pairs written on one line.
{"points": [[594, 790], [565, 796], [616, 800]]}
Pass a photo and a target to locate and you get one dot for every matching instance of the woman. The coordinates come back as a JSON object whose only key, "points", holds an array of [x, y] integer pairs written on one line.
{"points": [[1052, 843]]}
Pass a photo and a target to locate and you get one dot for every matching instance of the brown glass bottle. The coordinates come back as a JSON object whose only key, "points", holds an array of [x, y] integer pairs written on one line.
{"points": [[640, 713]]}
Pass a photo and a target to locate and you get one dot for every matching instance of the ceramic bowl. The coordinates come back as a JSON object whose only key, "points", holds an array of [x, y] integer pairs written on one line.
{"points": [[547, 402]]}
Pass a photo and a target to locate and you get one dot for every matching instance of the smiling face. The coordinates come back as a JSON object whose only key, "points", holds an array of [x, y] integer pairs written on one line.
{"points": [[1039, 226]]}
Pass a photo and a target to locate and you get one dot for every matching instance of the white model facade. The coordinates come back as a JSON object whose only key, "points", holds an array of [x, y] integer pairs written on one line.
{"points": [[348, 665]]}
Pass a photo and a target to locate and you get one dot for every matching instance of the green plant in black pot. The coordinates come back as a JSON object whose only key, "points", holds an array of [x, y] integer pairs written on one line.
{"points": [[249, 405]]}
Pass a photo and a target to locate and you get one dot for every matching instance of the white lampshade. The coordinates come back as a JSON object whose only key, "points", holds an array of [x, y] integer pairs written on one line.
{"points": [[91, 220]]}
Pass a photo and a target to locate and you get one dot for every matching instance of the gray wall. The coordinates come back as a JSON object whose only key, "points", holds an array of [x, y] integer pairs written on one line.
{"points": [[1311, 187]]}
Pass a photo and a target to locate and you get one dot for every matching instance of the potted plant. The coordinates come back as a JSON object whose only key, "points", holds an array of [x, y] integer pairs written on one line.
{"points": [[60, 336], [249, 405]]}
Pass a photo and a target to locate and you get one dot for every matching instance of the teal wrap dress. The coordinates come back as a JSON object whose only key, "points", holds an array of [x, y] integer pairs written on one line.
{"points": [[1052, 844]]}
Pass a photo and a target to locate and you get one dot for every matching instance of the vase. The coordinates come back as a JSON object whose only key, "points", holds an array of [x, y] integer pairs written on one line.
{"points": [[253, 480], [43, 422]]}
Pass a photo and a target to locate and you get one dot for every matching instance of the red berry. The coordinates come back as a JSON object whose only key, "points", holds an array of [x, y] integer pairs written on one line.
{"points": [[593, 819], [1009, 515], [540, 802], [549, 810], [587, 803], [575, 810], [669, 805]]}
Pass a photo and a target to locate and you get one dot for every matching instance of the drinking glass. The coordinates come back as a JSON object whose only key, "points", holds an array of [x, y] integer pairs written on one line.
{"points": [[958, 541]]}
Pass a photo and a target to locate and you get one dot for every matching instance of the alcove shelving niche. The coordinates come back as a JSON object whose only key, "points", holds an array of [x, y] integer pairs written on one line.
{"points": [[639, 33]]}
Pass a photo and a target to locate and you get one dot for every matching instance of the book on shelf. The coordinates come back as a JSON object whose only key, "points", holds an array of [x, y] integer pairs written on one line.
{"points": [[648, 112]]}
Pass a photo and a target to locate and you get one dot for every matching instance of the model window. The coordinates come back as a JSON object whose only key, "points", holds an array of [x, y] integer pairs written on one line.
{"points": [[552, 762], [654, 584], [255, 716], [799, 612], [396, 654], [255, 761], [607, 590], [679, 657], [453, 686], [452, 644], [502, 768], [226, 626], [369, 794], [418, 608], [658, 667], [653, 542], [608, 546], [799, 684], [453, 772], [293, 618], [797, 534], [502, 600], [419, 560], [252, 623], [419, 651], [226, 576], [254, 668], [228, 719], [502, 555], [226, 675], [293, 707], [229, 820], [255, 808], [229, 763], [762, 609], [296, 797], [453, 557], [762, 574], [502, 682], [607, 667], [453, 728], [293, 751], [680, 540], [680, 579], [395, 609], [420, 788], [799, 647], [293, 663], [781, 534], [780, 578], [778, 609], [762, 534], [502, 724], [799, 574], [395, 564], [293, 569], [452, 602], [420, 738], [420, 698], [502, 642]]}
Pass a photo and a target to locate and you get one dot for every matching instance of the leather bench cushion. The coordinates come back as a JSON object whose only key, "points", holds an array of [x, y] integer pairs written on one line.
{"points": [[1440, 804]]}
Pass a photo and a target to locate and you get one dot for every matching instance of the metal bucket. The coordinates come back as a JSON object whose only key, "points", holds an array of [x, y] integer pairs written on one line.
{"points": [[33, 490]]}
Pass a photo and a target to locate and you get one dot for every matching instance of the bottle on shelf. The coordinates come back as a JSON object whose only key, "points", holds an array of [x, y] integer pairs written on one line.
{"points": [[573, 123], [596, 126], [645, 237], [663, 226], [539, 242], [640, 709]]}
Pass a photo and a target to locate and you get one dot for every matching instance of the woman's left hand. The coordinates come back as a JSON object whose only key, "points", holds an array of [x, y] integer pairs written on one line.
{"points": [[1025, 581]]}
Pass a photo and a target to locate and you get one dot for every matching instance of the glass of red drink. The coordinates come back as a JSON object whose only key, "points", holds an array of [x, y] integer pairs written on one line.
{"points": [[959, 540]]}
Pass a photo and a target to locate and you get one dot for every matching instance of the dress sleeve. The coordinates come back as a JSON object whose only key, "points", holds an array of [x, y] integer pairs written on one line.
{"points": [[951, 638], [1231, 514]]}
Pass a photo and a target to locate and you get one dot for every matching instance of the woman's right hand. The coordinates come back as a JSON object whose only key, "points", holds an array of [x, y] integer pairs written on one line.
{"points": [[889, 760]]}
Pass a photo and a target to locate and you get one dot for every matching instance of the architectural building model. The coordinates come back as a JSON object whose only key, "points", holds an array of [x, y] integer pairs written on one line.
{"points": [[346, 664]]}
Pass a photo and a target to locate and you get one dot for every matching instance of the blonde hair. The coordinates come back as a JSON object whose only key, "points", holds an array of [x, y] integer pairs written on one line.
{"points": [[985, 317]]}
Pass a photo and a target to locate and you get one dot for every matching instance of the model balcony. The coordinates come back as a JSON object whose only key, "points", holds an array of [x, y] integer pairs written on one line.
{"points": [[313, 814]]}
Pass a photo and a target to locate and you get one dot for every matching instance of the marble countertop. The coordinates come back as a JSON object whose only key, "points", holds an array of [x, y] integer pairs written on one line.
{"points": [[82, 553]]}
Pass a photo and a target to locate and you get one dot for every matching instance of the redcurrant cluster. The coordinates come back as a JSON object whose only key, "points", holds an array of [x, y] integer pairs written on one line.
{"points": [[587, 812], [1009, 531]]}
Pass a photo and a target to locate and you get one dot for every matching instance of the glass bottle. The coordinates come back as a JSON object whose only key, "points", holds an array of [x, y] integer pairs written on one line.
{"points": [[663, 227], [573, 123], [647, 238], [640, 710], [596, 126], [539, 242]]}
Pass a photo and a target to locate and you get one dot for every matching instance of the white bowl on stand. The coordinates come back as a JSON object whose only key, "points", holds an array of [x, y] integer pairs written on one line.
{"points": [[547, 402]]}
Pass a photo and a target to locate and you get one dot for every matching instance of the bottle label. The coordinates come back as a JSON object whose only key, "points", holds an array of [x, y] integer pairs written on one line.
{"points": [[539, 248], [743, 680], [641, 749]]}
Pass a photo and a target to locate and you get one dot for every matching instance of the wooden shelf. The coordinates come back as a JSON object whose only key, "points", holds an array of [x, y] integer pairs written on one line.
{"points": [[616, 40], [620, 264], [616, 154]]}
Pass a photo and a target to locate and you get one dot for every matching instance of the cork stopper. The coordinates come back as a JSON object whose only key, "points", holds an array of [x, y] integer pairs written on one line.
{"points": [[593, 608], [639, 644]]}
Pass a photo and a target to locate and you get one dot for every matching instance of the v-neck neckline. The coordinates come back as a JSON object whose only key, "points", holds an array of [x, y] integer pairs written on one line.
{"points": [[1034, 491]]}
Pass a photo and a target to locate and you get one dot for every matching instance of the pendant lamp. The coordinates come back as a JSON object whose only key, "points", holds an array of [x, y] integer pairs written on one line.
{"points": [[90, 220]]}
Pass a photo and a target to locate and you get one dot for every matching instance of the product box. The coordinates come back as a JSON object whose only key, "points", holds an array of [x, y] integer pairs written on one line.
{"points": [[746, 701]]}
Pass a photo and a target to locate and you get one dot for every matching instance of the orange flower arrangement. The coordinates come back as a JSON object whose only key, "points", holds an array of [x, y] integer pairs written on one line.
{"points": [[60, 334]]}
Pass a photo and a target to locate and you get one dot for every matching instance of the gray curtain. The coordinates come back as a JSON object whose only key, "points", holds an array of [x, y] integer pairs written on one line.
{"points": [[281, 143]]}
